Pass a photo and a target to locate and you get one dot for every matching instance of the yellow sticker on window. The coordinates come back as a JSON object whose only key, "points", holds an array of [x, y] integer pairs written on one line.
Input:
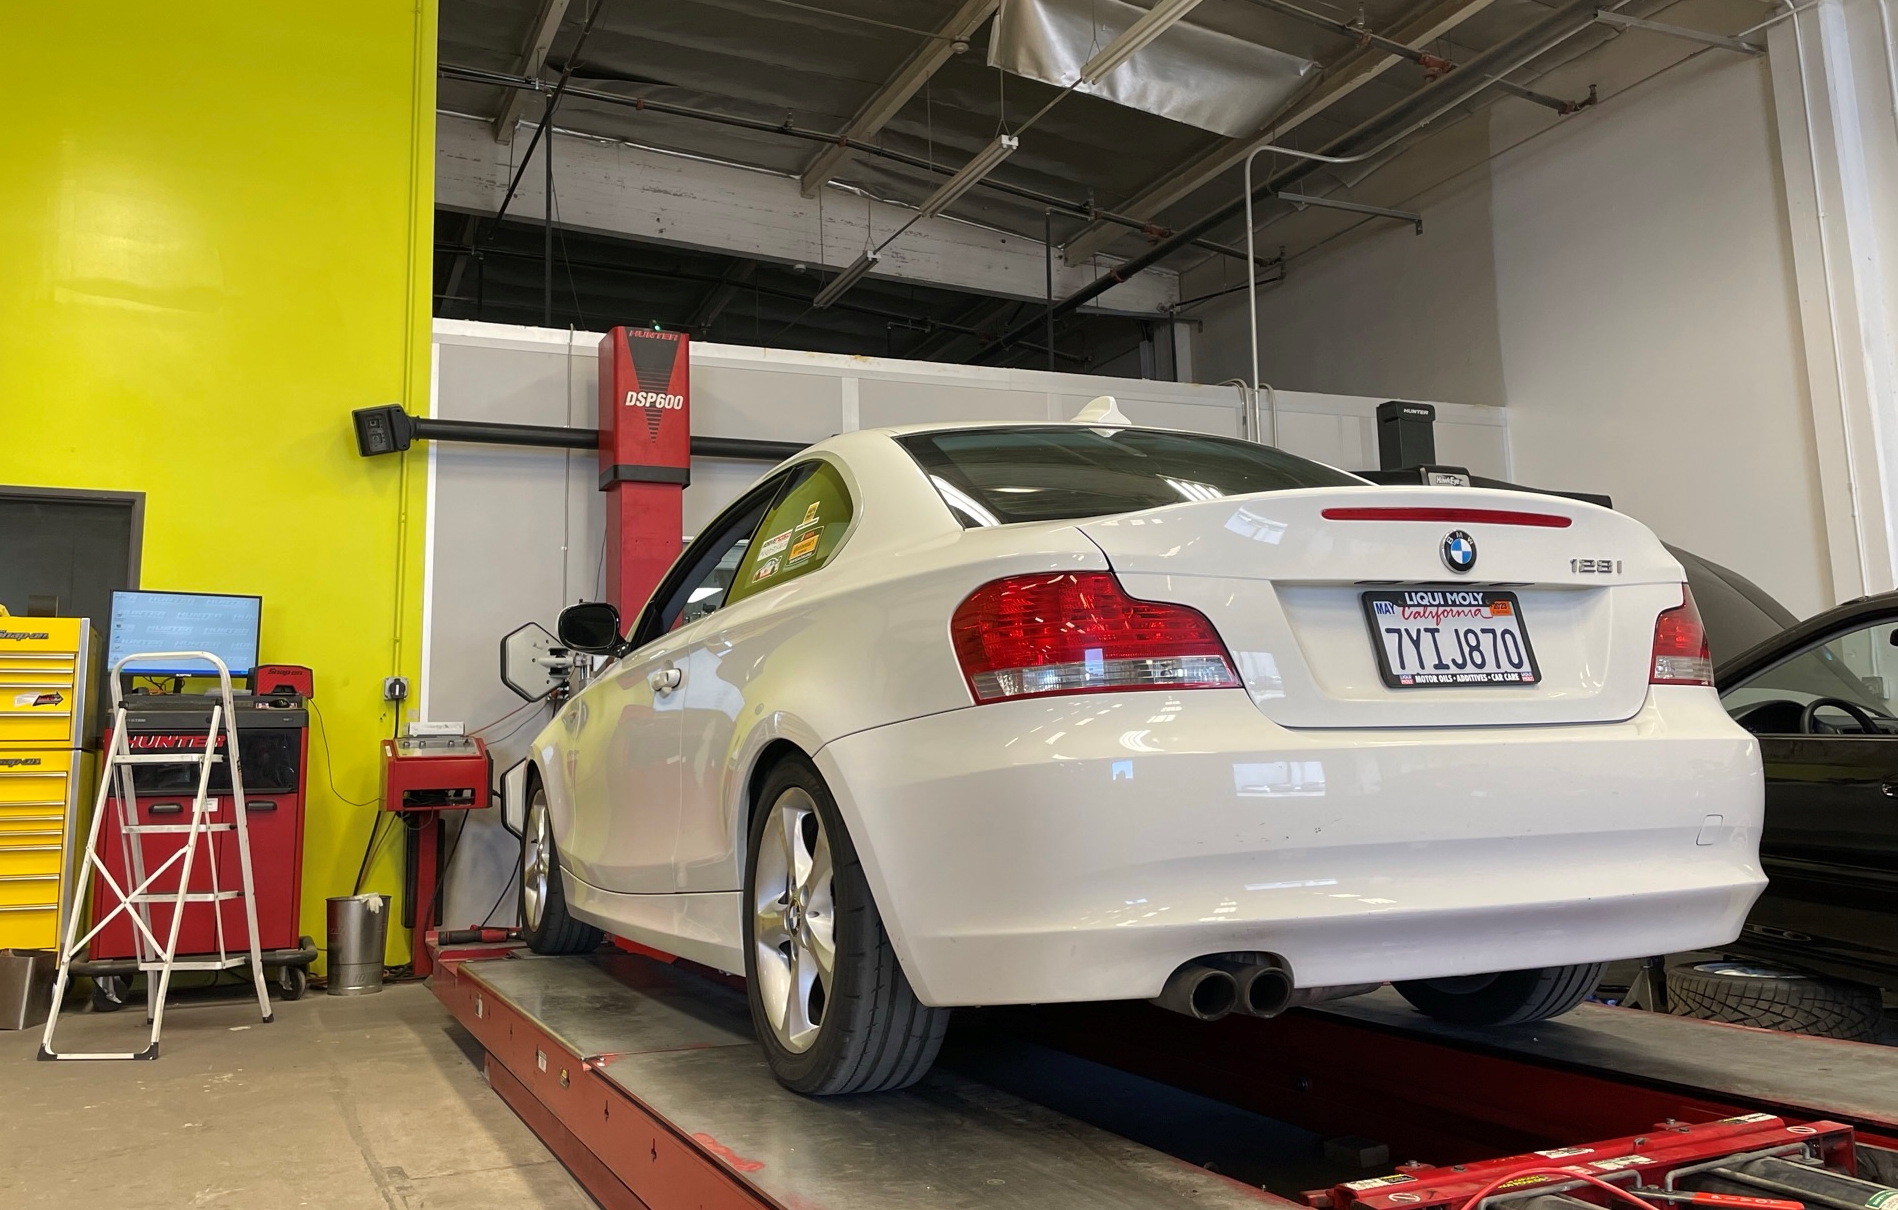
{"points": [[806, 546], [810, 516]]}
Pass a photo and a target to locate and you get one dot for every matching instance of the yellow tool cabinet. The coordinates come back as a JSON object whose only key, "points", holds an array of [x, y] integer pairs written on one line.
{"points": [[48, 744]]}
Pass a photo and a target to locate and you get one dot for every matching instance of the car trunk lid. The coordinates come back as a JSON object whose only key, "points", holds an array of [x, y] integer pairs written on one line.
{"points": [[1284, 577]]}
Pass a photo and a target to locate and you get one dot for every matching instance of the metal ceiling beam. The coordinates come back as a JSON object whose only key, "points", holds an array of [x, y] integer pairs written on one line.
{"points": [[1351, 73], [909, 79], [540, 36]]}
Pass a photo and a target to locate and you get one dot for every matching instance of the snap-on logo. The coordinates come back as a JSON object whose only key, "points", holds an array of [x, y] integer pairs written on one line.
{"points": [[21, 636], [653, 399], [8, 762]]}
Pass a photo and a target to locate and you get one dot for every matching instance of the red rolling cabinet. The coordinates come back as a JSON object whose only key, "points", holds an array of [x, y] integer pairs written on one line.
{"points": [[273, 736]]}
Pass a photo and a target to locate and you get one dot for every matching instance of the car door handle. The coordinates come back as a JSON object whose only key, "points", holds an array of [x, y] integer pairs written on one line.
{"points": [[665, 680]]}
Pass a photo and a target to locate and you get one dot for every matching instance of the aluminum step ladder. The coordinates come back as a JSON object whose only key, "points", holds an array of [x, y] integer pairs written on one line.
{"points": [[134, 900]]}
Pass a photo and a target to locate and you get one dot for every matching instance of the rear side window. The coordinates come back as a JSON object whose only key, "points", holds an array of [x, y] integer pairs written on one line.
{"points": [[799, 534], [999, 476]]}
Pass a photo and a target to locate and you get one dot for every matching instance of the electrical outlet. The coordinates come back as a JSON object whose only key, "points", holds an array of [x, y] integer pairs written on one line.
{"points": [[395, 688]]}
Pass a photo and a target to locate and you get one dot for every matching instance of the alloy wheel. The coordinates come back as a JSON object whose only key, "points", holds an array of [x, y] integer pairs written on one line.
{"points": [[534, 862], [794, 920]]}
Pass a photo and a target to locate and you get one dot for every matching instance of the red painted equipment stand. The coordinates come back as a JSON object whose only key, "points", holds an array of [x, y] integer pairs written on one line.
{"points": [[422, 778]]}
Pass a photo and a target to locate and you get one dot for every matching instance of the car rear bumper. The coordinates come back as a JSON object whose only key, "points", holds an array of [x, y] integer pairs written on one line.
{"points": [[1081, 848]]}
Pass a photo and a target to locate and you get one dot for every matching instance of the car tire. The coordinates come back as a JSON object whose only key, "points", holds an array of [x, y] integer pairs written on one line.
{"points": [[1749, 993], [1508, 998], [545, 924], [862, 1029]]}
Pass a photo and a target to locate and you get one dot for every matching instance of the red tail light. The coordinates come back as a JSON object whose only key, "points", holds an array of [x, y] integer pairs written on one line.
{"points": [[1680, 646], [1080, 633]]}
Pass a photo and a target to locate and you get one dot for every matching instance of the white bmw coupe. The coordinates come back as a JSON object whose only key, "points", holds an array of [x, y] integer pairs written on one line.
{"points": [[1015, 713]]}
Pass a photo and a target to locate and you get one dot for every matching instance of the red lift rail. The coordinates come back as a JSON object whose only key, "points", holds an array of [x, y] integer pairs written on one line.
{"points": [[644, 1078]]}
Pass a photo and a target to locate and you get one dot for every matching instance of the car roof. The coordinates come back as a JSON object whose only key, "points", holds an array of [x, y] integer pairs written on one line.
{"points": [[941, 426], [1865, 611]]}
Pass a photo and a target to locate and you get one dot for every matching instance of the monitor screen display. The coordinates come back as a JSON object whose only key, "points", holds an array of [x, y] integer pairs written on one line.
{"points": [[225, 626]]}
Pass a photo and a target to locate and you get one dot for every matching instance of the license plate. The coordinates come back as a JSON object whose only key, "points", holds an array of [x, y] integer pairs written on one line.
{"points": [[1429, 637]]}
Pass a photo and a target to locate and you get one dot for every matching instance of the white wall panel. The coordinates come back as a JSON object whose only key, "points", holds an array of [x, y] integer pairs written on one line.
{"points": [[1622, 281]]}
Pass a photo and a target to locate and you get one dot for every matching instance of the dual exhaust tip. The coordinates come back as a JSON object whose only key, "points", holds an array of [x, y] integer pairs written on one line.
{"points": [[1258, 985]]}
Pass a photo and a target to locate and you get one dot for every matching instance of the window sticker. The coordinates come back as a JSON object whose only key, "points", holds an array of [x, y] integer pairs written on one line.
{"points": [[766, 570], [774, 545], [810, 516], [806, 547]]}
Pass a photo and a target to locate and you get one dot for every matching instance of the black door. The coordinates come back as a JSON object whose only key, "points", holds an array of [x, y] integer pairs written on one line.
{"points": [[1828, 731], [65, 553]]}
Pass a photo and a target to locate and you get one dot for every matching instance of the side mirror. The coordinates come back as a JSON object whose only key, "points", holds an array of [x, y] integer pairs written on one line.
{"points": [[591, 626]]}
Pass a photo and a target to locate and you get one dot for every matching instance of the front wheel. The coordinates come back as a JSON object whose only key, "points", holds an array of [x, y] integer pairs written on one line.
{"points": [[828, 998], [545, 925], [1509, 998]]}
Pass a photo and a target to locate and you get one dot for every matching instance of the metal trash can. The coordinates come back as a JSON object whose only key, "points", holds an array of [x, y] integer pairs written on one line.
{"points": [[26, 987], [358, 933]]}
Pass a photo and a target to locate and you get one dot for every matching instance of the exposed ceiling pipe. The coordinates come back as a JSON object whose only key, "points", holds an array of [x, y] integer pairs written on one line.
{"points": [[1358, 32], [1381, 132], [476, 75]]}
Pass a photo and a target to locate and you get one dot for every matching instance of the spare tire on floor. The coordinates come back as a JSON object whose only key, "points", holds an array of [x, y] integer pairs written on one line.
{"points": [[1739, 992]]}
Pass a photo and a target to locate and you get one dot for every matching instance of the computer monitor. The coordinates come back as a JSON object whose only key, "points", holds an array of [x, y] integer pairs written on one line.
{"points": [[222, 624]]}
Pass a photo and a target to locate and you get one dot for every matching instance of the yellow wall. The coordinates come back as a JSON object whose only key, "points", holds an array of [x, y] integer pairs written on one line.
{"points": [[215, 222]]}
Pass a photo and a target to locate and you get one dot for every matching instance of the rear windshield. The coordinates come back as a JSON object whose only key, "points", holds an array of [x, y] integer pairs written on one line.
{"points": [[998, 476]]}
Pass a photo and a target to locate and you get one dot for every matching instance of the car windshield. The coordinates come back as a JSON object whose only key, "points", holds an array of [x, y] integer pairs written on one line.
{"points": [[1000, 476]]}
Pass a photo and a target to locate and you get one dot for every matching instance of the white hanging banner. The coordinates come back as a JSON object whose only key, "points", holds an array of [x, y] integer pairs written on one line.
{"points": [[1189, 73]]}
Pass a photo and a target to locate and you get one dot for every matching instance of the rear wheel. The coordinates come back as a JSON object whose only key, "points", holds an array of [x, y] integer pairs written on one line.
{"points": [[1750, 993], [1508, 998], [830, 1002], [545, 925]]}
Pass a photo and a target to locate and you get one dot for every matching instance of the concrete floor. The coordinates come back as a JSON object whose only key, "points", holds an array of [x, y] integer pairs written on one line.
{"points": [[357, 1103]]}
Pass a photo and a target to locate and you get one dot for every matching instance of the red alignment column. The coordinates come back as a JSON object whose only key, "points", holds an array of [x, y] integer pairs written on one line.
{"points": [[645, 458]]}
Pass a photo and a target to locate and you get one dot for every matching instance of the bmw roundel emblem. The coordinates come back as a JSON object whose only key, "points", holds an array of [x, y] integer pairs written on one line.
{"points": [[1459, 551]]}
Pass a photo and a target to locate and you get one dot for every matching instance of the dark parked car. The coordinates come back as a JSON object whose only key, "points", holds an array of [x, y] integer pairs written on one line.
{"points": [[1822, 696]]}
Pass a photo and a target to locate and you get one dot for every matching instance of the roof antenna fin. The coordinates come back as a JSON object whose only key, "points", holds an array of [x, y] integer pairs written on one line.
{"points": [[1101, 410]]}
